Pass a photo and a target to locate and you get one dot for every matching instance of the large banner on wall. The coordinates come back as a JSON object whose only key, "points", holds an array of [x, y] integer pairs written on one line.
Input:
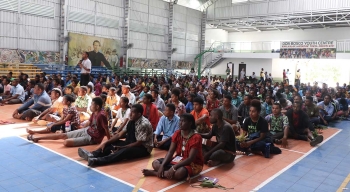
{"points": [[102, 51], [308, 49], [29, 56]]}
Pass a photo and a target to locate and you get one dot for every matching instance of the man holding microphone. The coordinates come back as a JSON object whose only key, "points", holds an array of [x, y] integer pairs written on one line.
{"points": [[85, 65]]}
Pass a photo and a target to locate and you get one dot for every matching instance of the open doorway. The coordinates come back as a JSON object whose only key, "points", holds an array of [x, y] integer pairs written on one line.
{"points": [[242, 68]]}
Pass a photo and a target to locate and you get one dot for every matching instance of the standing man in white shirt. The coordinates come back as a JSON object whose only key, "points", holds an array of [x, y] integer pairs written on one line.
{"points": [[85, 65], [287, 76], [242, 75]]}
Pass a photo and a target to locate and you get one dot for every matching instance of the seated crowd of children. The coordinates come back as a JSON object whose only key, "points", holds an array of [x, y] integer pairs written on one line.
{"points": [[139, 114]]}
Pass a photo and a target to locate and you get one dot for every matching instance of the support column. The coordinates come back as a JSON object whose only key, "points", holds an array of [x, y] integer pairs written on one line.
{"points": [[62, 22], [203, 27], [126, 33], [170, 37]]}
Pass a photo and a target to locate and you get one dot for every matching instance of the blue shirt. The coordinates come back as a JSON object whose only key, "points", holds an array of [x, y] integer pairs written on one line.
{"points": [[328, 108], [18, 90], [268, 108], [38, 102], [168, 127], [236, 102], [189, 107]]}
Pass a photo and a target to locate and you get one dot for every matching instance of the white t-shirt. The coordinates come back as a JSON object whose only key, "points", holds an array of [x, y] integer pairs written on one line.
{"points": [[242, 75], [87, 64], [130, 96], [7, 88], [122, 117]]}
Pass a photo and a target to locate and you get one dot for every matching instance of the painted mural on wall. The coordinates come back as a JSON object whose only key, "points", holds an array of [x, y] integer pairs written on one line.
{"points": [[27, 56], [147, 63], [102, 51], [182, 64]]}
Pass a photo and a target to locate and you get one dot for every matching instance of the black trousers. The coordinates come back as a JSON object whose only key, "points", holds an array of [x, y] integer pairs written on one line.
{"points": [[166, 145], [30, 113], [84, 79], [106, 156]]}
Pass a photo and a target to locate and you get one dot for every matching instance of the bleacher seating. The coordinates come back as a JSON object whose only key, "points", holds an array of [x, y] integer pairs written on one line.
{"points": [[64, 70], [17, 68]]}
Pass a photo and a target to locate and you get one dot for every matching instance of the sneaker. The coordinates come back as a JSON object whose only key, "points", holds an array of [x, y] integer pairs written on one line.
{"points": [[85, 154], [317, 140]]}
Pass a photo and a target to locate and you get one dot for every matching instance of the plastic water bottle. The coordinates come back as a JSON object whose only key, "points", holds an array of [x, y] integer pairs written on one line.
{"points": [[68, 127], [267, 150]]}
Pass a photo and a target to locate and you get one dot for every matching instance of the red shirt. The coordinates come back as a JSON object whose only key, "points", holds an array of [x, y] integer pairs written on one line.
{"points": [[195, 142], [212, 105], [151, 114], [98, 124]]}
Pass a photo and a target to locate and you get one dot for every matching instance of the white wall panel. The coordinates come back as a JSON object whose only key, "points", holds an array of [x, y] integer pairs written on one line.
{"points": [[178, 57], [194, 20], [180, 49], [137, 35], [258, 8], [223, 12], [158, 20], [6, 16], [145, 2], [193, 28], [177, 41], [223, 3], [193, 13], [159, 4], [156, 55], [139, 7], [179, 17], [180, 9], [192, 43], [159, 12], [139, 44], [138, 16], [190, 57], [278, 6], [138, 53], [157, 46], [210, 12], [108, 32], [240, 10], [8, 42], [8, 30], [80, 27], [82, 4], [157, 38], [343, 3], [179, 25], [118, 3], [192, 50]]}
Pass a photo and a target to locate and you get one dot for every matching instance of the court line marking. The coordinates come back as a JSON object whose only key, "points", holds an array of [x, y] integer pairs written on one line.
{"points": [[293, 151], [344, 184], [293, 163], [94, 169], [142, 180], [203, 172]]}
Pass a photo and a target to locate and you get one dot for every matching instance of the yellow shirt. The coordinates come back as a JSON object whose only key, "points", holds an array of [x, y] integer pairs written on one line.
{"points": [[113, 100]]}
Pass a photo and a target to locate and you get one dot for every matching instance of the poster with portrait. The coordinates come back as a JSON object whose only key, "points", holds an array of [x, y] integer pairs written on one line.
{"points": [[102, 51]]}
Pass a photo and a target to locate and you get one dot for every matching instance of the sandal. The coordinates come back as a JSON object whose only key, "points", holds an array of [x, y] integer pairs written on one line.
{"points": [[30, 138]]}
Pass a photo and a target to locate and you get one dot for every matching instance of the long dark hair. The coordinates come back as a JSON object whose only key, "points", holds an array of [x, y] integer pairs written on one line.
{"points": [[125, 100], [188, 117]]}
